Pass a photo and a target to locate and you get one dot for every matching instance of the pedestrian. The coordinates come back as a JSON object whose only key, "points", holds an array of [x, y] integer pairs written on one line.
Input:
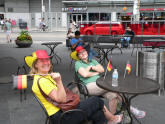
{"points": [[70, 34], [42, 25], [128, 36], [72, 25], [8, 30], [2, 24]]}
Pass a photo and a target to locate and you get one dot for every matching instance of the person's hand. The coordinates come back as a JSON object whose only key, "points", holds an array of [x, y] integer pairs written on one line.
{"points": [[56, 77], [81, 41], [93, 68], [89, 68]]}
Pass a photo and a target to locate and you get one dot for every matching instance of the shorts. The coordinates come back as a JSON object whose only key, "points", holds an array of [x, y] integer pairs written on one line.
{"points": [[8, 32], [93, 89]]}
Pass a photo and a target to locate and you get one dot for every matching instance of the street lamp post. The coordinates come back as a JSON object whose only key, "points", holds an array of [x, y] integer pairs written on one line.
{"points": [[136, 10], [42, 2], [50, 19]]}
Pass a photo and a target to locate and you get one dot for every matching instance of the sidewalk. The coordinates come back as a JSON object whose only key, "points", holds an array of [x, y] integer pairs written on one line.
{"points": [[37, 36]]}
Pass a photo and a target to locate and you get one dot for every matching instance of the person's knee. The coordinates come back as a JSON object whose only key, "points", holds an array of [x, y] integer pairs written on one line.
{"points": [[99, 117], [96, 99]]}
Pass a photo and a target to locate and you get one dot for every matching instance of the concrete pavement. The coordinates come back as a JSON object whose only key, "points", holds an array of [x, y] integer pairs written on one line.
{"points": [[37, 36]]}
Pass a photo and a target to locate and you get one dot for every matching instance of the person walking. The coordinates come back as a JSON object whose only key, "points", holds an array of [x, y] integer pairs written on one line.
{"points": [[8, 30]]}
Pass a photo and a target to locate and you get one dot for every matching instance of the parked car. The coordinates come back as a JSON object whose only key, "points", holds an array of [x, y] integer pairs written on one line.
{"points": [[104, 28]]}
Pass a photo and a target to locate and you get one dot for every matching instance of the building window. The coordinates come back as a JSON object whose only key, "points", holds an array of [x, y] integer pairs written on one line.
{"points": [[146, 16], [159, 15], [10, 9], [105, 16], [93, 16]]}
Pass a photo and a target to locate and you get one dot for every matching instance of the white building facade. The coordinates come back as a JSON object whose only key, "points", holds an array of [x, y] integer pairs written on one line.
{"points": [[57, 13]]}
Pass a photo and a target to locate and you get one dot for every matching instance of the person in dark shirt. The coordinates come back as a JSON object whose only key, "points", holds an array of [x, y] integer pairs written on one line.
{"points": [[128, 35]]}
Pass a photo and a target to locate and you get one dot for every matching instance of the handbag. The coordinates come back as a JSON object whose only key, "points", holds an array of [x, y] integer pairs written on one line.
{"points": [[72, 99]]}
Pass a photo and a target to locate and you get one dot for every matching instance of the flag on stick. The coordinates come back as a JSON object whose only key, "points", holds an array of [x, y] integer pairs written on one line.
{"points": [[128, 67], [109, 66], [20, 82]]}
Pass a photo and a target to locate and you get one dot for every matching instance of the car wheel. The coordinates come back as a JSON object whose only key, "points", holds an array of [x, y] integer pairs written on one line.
{"points": [[88, 33], [114, 33]]}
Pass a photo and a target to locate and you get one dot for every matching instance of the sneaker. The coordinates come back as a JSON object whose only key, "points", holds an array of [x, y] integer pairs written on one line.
{"points": [[138, 113]]}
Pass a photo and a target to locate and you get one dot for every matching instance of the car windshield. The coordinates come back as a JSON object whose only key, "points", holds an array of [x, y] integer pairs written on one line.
{"points": [[105, 22]]}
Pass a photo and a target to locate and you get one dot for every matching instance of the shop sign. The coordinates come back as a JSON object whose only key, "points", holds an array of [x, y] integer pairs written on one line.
{"points": [[152, 9], [71, 9]]}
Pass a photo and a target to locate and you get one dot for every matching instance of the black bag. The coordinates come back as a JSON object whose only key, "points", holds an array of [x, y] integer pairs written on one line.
{"points": [[72, 100], [87, 47], [68, 43]]}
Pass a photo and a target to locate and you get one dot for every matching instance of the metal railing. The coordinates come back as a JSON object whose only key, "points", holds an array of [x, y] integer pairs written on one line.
{"points": [[147, 27]]}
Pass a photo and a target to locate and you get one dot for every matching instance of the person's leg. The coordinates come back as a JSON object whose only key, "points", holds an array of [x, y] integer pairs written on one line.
{"points": [[54, 118], [87, 48], [113, 100], [112, 118], [93, 107], [122, 40], [113, 105], [10, 36], [90, 55], [93, 89], [94, 52], [127, 40], [7, 37]]}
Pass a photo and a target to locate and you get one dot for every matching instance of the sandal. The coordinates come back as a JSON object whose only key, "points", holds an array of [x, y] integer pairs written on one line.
{"points": [[119, 119]]}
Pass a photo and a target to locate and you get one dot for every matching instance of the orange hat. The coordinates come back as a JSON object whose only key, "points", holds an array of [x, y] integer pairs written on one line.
{"points": [[39, 54]]}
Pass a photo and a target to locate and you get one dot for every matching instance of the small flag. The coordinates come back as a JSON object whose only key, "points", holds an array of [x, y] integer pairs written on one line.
{"points": [[20, 82], [109, 66], [128, 67]]}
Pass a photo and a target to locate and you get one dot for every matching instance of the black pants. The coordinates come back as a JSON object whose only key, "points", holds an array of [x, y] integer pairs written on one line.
{"points": [[87, 48], [93, 107]]}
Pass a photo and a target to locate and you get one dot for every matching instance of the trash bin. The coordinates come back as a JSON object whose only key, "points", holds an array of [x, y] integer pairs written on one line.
{"points": [[151, 64], [23, 25]]}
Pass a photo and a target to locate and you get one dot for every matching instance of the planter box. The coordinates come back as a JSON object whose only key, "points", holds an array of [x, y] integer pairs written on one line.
{"points": [[23, 44]]}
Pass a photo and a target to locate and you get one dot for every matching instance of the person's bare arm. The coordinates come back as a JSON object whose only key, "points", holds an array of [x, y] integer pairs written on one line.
{"points": [[98, 68], [85, 72], [74, 45], [59, 95]]}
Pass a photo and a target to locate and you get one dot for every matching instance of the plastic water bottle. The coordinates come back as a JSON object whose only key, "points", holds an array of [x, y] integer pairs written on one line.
{"points": [[115, 78]]}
